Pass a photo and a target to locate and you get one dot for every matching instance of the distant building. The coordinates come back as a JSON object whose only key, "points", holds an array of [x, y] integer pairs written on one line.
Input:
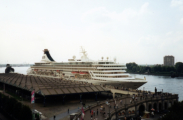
{"points": [[169, 61]]}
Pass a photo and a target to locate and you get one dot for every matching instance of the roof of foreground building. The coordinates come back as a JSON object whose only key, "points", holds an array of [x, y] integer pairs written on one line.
{"points": [[49, 86]]}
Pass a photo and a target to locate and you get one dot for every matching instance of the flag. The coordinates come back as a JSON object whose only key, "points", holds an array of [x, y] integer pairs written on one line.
{"points": [[32, 96], [83, 114], [83, 110]]}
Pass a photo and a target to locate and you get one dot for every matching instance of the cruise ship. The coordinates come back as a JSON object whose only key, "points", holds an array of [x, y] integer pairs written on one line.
{"points": [[102, 72]]}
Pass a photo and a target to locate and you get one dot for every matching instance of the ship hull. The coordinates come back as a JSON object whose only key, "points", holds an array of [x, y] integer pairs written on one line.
{"points": [[119, 84], [134, 84]]}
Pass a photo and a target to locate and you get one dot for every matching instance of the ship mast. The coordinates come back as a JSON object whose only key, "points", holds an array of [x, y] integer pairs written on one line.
{"points": [[84, 53]]}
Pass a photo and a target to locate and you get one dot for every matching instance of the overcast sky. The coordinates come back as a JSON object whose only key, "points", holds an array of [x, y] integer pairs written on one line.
{"points": [[142, 31]]}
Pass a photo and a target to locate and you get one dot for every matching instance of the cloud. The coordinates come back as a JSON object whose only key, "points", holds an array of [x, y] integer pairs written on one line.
{"points": [[144, 8], [181, 21], [169, 33], [156, 46], [101, 14], [177, 3], [164, 41], [96, 15]]}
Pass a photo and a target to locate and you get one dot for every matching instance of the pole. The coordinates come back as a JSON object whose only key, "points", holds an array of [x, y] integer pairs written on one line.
{"points": [[109, 112], [33, 102], [162, 91], [125, 101], [116, 113], [44, 102]]}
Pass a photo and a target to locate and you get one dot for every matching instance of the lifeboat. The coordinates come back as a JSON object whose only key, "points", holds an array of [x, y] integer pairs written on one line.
{"points": [[35, 70], [83, 73], [58, 70], [74, 72]]}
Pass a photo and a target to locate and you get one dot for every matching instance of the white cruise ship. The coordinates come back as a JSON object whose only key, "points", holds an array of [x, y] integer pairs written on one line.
{"points": [[104, 72]]}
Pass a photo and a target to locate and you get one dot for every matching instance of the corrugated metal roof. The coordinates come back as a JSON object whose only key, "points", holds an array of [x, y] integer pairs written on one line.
{"points": [[48, 86]]}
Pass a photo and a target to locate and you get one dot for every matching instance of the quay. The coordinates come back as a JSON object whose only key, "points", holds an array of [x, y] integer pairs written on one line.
{"points": [[116, 104], [126, 106], [115, 109]]}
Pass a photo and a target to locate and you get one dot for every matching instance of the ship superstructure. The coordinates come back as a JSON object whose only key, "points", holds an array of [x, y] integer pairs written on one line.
{"points": [[104, 72]]}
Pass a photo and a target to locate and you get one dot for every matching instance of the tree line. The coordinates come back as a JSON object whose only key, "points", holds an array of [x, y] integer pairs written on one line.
{"points": [[13, 109], [175, 112], [157, 69]]}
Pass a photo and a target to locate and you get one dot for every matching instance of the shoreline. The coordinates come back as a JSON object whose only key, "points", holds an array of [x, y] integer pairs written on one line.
{"points": [[150, 74]]}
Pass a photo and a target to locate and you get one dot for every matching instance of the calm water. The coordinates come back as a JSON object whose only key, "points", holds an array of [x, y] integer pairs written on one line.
{"points": [[22, 70], [168, 84]]}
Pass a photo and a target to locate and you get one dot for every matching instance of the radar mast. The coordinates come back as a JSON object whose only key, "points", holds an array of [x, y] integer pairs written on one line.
{"points": [[83, 51]]}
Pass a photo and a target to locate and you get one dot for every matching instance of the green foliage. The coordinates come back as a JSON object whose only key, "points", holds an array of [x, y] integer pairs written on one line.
{"points": [[12, 107], [5, 102], [26, 113], [157, 69], [14, 95], [175, 112], [142, 69], [138, 69], [134, 68], [179, 67], [17, 109], [131, 65]]}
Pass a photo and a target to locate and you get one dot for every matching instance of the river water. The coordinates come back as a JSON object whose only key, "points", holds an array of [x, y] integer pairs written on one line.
{"points": [[168, 84]]}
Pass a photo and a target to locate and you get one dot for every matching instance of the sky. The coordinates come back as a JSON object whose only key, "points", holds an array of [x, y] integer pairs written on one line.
{"points": [[142, 31]]}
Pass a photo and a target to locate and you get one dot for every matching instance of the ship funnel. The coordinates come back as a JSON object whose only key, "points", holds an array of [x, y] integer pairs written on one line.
{"points": [[46, 51]]}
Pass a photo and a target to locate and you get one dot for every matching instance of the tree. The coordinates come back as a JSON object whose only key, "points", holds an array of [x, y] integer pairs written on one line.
{"points": [[175, 112], [134, 69], [148, 69], [5, 102], [131, 65], [17, 109], [152, 70], [164, 68], [11, 103], [143, 69], [26, 113], [179, 66], [157, 68], [137, 69]]}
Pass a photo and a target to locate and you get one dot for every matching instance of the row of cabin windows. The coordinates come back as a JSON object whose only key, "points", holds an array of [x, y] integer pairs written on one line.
{"points": [[109, 73], [113, 76], [110, 66], [81, 69]]}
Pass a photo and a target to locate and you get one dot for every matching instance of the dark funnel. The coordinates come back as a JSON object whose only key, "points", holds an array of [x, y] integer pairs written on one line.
{"points": [[48, 54]]}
